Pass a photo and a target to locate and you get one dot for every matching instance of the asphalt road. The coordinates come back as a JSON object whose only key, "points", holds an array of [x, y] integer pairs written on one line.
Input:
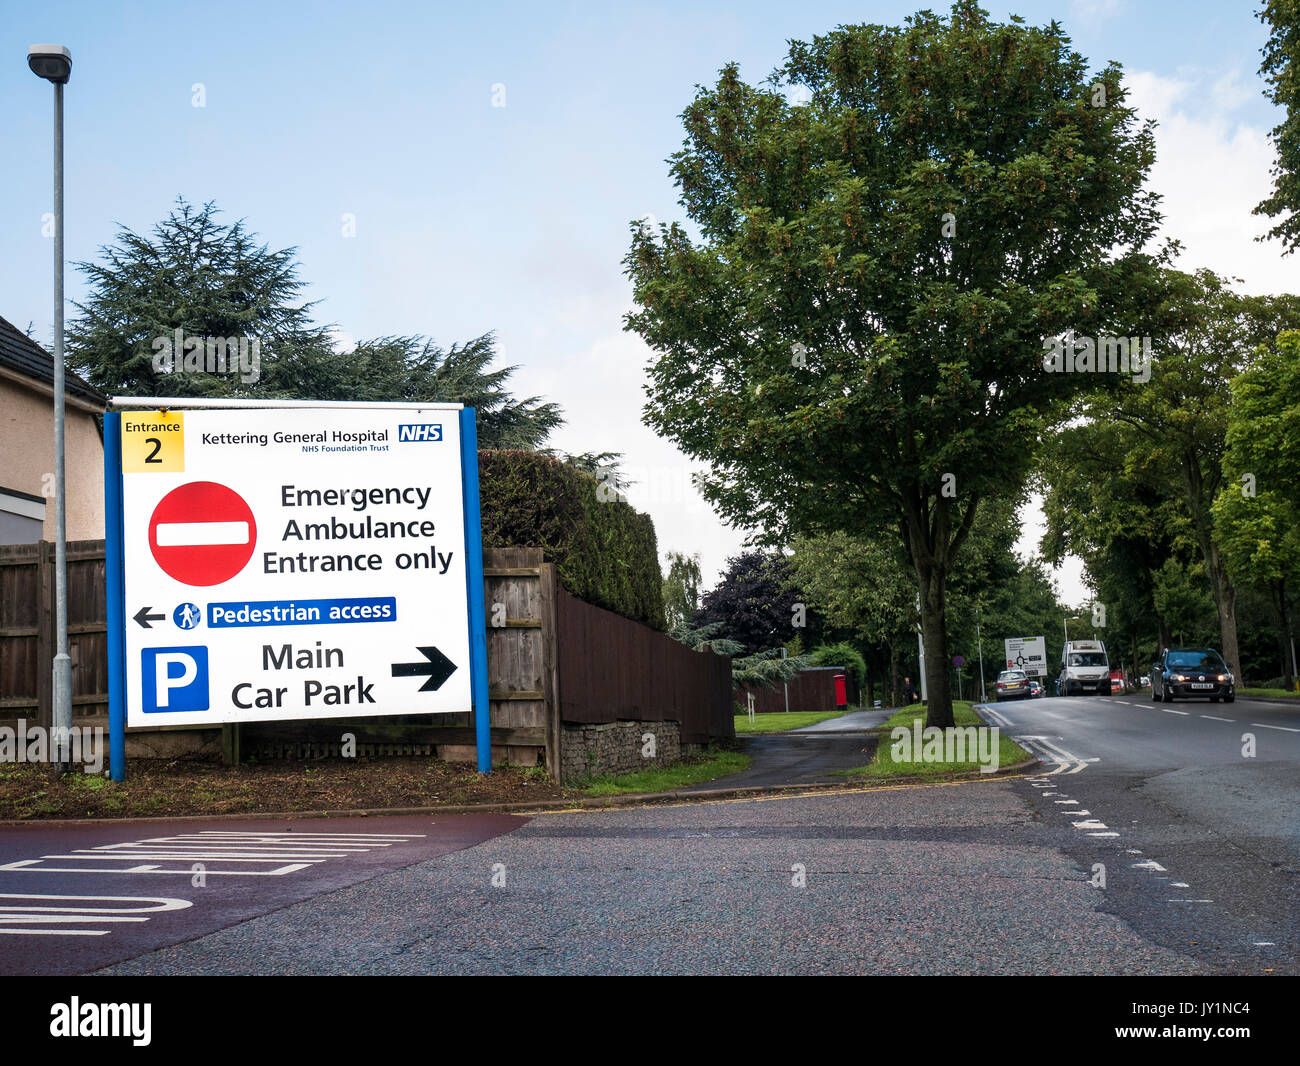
{"points": [[1176, 796], [957, 879], [1197, 844], [76, 897]]}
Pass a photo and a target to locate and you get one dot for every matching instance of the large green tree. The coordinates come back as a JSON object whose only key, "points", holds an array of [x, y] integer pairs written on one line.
{"points": [[1106, 501], [1203, 334], [209, 279], [681, 587], [1281, 69], [854, 340], [862, 586], [1257, 511], [414, 369], [200, 276]]}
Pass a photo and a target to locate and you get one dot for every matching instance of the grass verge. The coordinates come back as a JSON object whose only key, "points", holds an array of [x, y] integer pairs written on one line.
{"points": [[781, 721], [665, 779], [1269, 693], [884, 766]]}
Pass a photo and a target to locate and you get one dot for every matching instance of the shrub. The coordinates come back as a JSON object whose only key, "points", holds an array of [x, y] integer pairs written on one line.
{"points": [[604, 552], [845, 655]]}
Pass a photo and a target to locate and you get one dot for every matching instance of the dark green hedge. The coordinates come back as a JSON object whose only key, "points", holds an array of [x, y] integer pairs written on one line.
{"points": [[604, 553]]}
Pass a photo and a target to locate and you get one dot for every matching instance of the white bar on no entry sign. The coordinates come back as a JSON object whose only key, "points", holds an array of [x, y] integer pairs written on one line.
{"points": [[194, 534]]}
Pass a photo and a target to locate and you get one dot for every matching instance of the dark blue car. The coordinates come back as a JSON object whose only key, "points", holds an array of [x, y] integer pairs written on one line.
{"points": [[1187, 673]]}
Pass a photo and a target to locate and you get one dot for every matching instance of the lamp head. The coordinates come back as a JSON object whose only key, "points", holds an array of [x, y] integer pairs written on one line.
{"points": [[52, 62]]}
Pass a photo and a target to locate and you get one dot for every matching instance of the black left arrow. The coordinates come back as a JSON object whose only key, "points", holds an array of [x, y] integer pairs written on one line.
{"points": [[144, 617], [438, 669]]}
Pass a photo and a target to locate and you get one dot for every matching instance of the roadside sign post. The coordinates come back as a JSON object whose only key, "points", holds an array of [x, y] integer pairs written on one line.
{"points": [[287, 561]]}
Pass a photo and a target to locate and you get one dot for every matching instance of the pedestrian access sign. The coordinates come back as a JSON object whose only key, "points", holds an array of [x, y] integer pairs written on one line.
{"points": [[294, 563]]}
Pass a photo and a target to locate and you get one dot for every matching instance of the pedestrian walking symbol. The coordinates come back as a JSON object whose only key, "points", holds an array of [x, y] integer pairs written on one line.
{"points": [[187, 616]]}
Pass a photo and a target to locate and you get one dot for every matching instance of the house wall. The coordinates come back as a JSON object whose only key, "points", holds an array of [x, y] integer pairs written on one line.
{"points": [[27, 455]]}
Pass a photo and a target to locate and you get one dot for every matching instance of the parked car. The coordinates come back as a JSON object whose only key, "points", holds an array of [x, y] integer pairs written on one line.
{"points": [[1012, 685], [1185, 673]]}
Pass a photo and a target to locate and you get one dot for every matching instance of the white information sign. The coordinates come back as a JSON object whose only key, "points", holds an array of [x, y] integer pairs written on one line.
{"points": [[1028, 654], [293, 563]]}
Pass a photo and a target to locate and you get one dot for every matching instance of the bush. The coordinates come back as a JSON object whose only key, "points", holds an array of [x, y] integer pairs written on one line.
{"points": [[845, 655], [604, 552]]}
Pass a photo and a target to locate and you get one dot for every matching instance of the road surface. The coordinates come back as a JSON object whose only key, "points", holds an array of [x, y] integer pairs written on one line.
{"points": [[1199, 798], [1145, 844]]}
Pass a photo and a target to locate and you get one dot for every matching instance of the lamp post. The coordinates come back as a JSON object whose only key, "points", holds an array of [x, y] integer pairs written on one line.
{"points": [[53, 62]]}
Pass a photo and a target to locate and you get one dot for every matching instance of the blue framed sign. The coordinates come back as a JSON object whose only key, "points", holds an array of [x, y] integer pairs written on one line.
{"points": [[293, 562]]}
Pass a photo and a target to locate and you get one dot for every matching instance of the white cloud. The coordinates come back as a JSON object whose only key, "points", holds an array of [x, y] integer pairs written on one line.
{"points": [[1211, 171], [600, 389], [1091, 12]]}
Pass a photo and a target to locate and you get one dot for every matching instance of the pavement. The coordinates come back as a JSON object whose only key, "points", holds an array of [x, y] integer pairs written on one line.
{"points": [[853, 722], [806, 756]]}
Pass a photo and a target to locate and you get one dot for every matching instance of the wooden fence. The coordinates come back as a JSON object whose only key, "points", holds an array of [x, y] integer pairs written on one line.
{"points": [[810, 690], [27, 638], [612, 668], [551, 658]]}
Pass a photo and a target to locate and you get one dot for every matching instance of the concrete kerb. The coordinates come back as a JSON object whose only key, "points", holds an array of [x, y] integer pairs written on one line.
{"points": [[630, 799]]}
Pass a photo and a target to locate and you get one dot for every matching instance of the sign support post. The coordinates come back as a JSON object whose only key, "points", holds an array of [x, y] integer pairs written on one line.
{"points": [[474, 589], [113, 573]]}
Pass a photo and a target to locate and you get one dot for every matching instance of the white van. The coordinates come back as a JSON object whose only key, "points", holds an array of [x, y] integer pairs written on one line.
{"points": [[1084, 668]]}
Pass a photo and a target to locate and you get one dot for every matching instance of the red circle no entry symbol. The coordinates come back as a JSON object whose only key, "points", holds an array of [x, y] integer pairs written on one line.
{"points": [[202, 533]]}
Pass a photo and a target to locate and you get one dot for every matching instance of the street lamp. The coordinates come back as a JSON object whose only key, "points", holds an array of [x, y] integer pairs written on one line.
{"points": [[53, 62]]}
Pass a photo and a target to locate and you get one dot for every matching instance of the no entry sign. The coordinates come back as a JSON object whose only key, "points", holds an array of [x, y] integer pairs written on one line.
{"points": [[202, 533], [294, 563]]}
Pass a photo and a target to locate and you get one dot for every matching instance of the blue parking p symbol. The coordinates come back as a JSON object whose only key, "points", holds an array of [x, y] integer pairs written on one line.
{"points": [[174, 679]]}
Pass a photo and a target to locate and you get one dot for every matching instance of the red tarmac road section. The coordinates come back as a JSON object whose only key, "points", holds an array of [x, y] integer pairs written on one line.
{"points": [[75, 898]]}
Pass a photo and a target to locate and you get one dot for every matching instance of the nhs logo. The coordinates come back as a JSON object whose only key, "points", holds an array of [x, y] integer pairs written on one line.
{"points": [[174, 679], [419, 431]]}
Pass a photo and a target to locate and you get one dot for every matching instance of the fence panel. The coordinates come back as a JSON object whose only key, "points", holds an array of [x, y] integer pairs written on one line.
{"points": [[612, 668], [810, 690]]}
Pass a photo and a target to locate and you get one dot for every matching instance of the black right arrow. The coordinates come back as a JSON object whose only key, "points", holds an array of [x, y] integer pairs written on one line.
{"points": [[438, 669], [144, 617]]}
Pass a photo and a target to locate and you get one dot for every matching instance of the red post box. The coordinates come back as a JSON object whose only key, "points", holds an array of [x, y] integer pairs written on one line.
{"points": [[841, 696]]}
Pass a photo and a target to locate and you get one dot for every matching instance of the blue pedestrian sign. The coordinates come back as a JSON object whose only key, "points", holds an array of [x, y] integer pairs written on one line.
{"points": [[187, 616]]}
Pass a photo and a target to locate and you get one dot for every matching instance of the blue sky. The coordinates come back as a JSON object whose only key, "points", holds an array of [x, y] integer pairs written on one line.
{"points": [[471, 217]]}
